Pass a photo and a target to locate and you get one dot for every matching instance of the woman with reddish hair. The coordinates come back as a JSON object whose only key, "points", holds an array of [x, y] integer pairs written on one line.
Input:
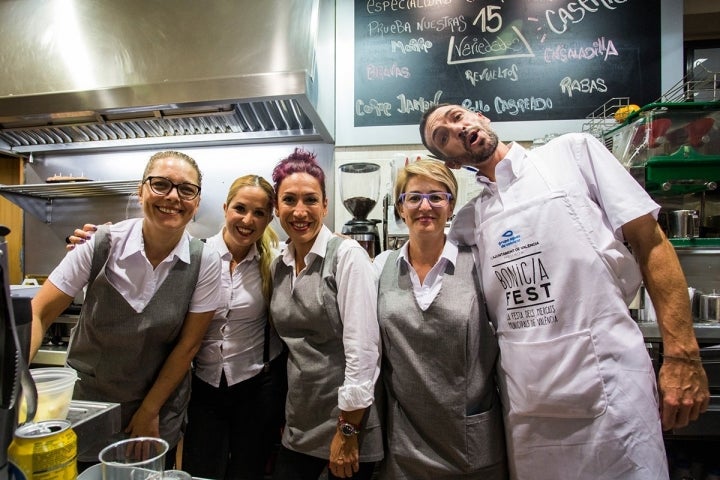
{"points": [[324, 307]]}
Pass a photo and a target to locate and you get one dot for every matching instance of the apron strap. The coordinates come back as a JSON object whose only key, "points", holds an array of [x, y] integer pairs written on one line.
{"points": [[266, 347]]}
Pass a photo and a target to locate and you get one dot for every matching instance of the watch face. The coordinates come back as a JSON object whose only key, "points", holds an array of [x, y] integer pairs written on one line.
{"points": [[347, 429]]}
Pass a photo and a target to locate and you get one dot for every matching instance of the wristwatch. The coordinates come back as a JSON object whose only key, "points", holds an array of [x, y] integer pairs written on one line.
{"points": [[346, 428]]}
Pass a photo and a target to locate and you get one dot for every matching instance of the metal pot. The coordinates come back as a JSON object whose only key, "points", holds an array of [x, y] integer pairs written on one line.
{"points": [[683, 224], [710, 307]]}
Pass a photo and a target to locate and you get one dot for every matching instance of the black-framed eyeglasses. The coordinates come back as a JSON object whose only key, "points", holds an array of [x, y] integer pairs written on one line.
{"points": [[163, 186], [435, 199]]}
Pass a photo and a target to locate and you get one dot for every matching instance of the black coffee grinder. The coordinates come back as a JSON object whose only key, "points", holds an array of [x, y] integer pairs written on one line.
{"points": [[359, 190]]}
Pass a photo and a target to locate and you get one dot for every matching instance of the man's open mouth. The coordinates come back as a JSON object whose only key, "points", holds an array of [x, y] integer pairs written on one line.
{"points": [[471, 139]]}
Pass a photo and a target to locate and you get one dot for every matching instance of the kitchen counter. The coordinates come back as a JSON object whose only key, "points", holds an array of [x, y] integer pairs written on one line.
{"points": [[96, 424], [705, 332]]}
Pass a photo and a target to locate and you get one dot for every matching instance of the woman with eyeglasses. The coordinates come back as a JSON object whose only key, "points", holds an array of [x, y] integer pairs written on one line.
{"points": [[151, 294], [443, 418], [324, 308]]}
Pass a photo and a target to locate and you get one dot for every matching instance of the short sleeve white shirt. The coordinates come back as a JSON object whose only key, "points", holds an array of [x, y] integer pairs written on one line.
{"points": [[577, 162], [130, 272], [618, 195]]}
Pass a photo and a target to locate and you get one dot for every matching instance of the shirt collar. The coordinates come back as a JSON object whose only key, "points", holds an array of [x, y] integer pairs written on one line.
{"points": [[135, 244], [514, 160], [449, 252], [318, 248], [218, 243], [134, 240]]}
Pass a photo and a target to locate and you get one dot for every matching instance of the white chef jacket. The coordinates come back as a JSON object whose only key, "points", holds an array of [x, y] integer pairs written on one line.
{"points": [[426, 292], [235, 340], [130, 272], [357, 288]]}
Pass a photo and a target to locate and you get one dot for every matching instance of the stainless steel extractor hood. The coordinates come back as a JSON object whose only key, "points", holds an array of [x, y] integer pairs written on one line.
{"points": [[90, 74]]}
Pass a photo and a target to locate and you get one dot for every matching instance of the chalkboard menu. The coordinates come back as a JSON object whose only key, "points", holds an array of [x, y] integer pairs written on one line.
{"points": [[512, 60]]}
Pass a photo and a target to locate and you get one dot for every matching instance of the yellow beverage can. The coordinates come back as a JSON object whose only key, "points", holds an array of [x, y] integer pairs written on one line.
{"points": [[44, 450]]}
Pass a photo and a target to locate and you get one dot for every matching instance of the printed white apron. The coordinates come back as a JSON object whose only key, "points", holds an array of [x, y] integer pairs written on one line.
{"points": [[578, 387]]}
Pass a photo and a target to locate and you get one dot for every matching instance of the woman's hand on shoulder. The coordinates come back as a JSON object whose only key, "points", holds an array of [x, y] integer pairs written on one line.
{"points": [[81, 235]]}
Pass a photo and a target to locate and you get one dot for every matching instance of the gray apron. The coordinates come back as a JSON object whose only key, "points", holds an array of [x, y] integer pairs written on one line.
{"points": [[118, 352], [579, 388], [308, 320], [443, 418]]}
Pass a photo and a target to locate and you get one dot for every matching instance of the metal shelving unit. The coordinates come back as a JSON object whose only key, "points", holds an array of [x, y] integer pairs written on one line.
{"points": [[700, 85], [602, 119], [40, 199]]}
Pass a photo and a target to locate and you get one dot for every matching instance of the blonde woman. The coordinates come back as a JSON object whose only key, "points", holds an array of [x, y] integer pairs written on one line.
{"points": [[239, 382], [443, 418]]}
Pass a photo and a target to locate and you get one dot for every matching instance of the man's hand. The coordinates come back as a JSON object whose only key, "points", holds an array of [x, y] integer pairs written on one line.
{"points": [[684, 390], [682, 381]]}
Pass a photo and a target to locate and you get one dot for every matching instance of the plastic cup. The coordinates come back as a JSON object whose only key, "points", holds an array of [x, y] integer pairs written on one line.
{"points": [[55, 386], [141, 458]]}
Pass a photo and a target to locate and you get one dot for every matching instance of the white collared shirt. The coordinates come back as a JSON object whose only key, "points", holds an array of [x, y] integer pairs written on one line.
{"points": [[426, 292], [130, 272], [235, 340], [357, 290]]}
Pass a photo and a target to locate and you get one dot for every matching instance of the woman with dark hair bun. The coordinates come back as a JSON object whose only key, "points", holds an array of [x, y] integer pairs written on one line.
{"points": [[324, 307]]}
